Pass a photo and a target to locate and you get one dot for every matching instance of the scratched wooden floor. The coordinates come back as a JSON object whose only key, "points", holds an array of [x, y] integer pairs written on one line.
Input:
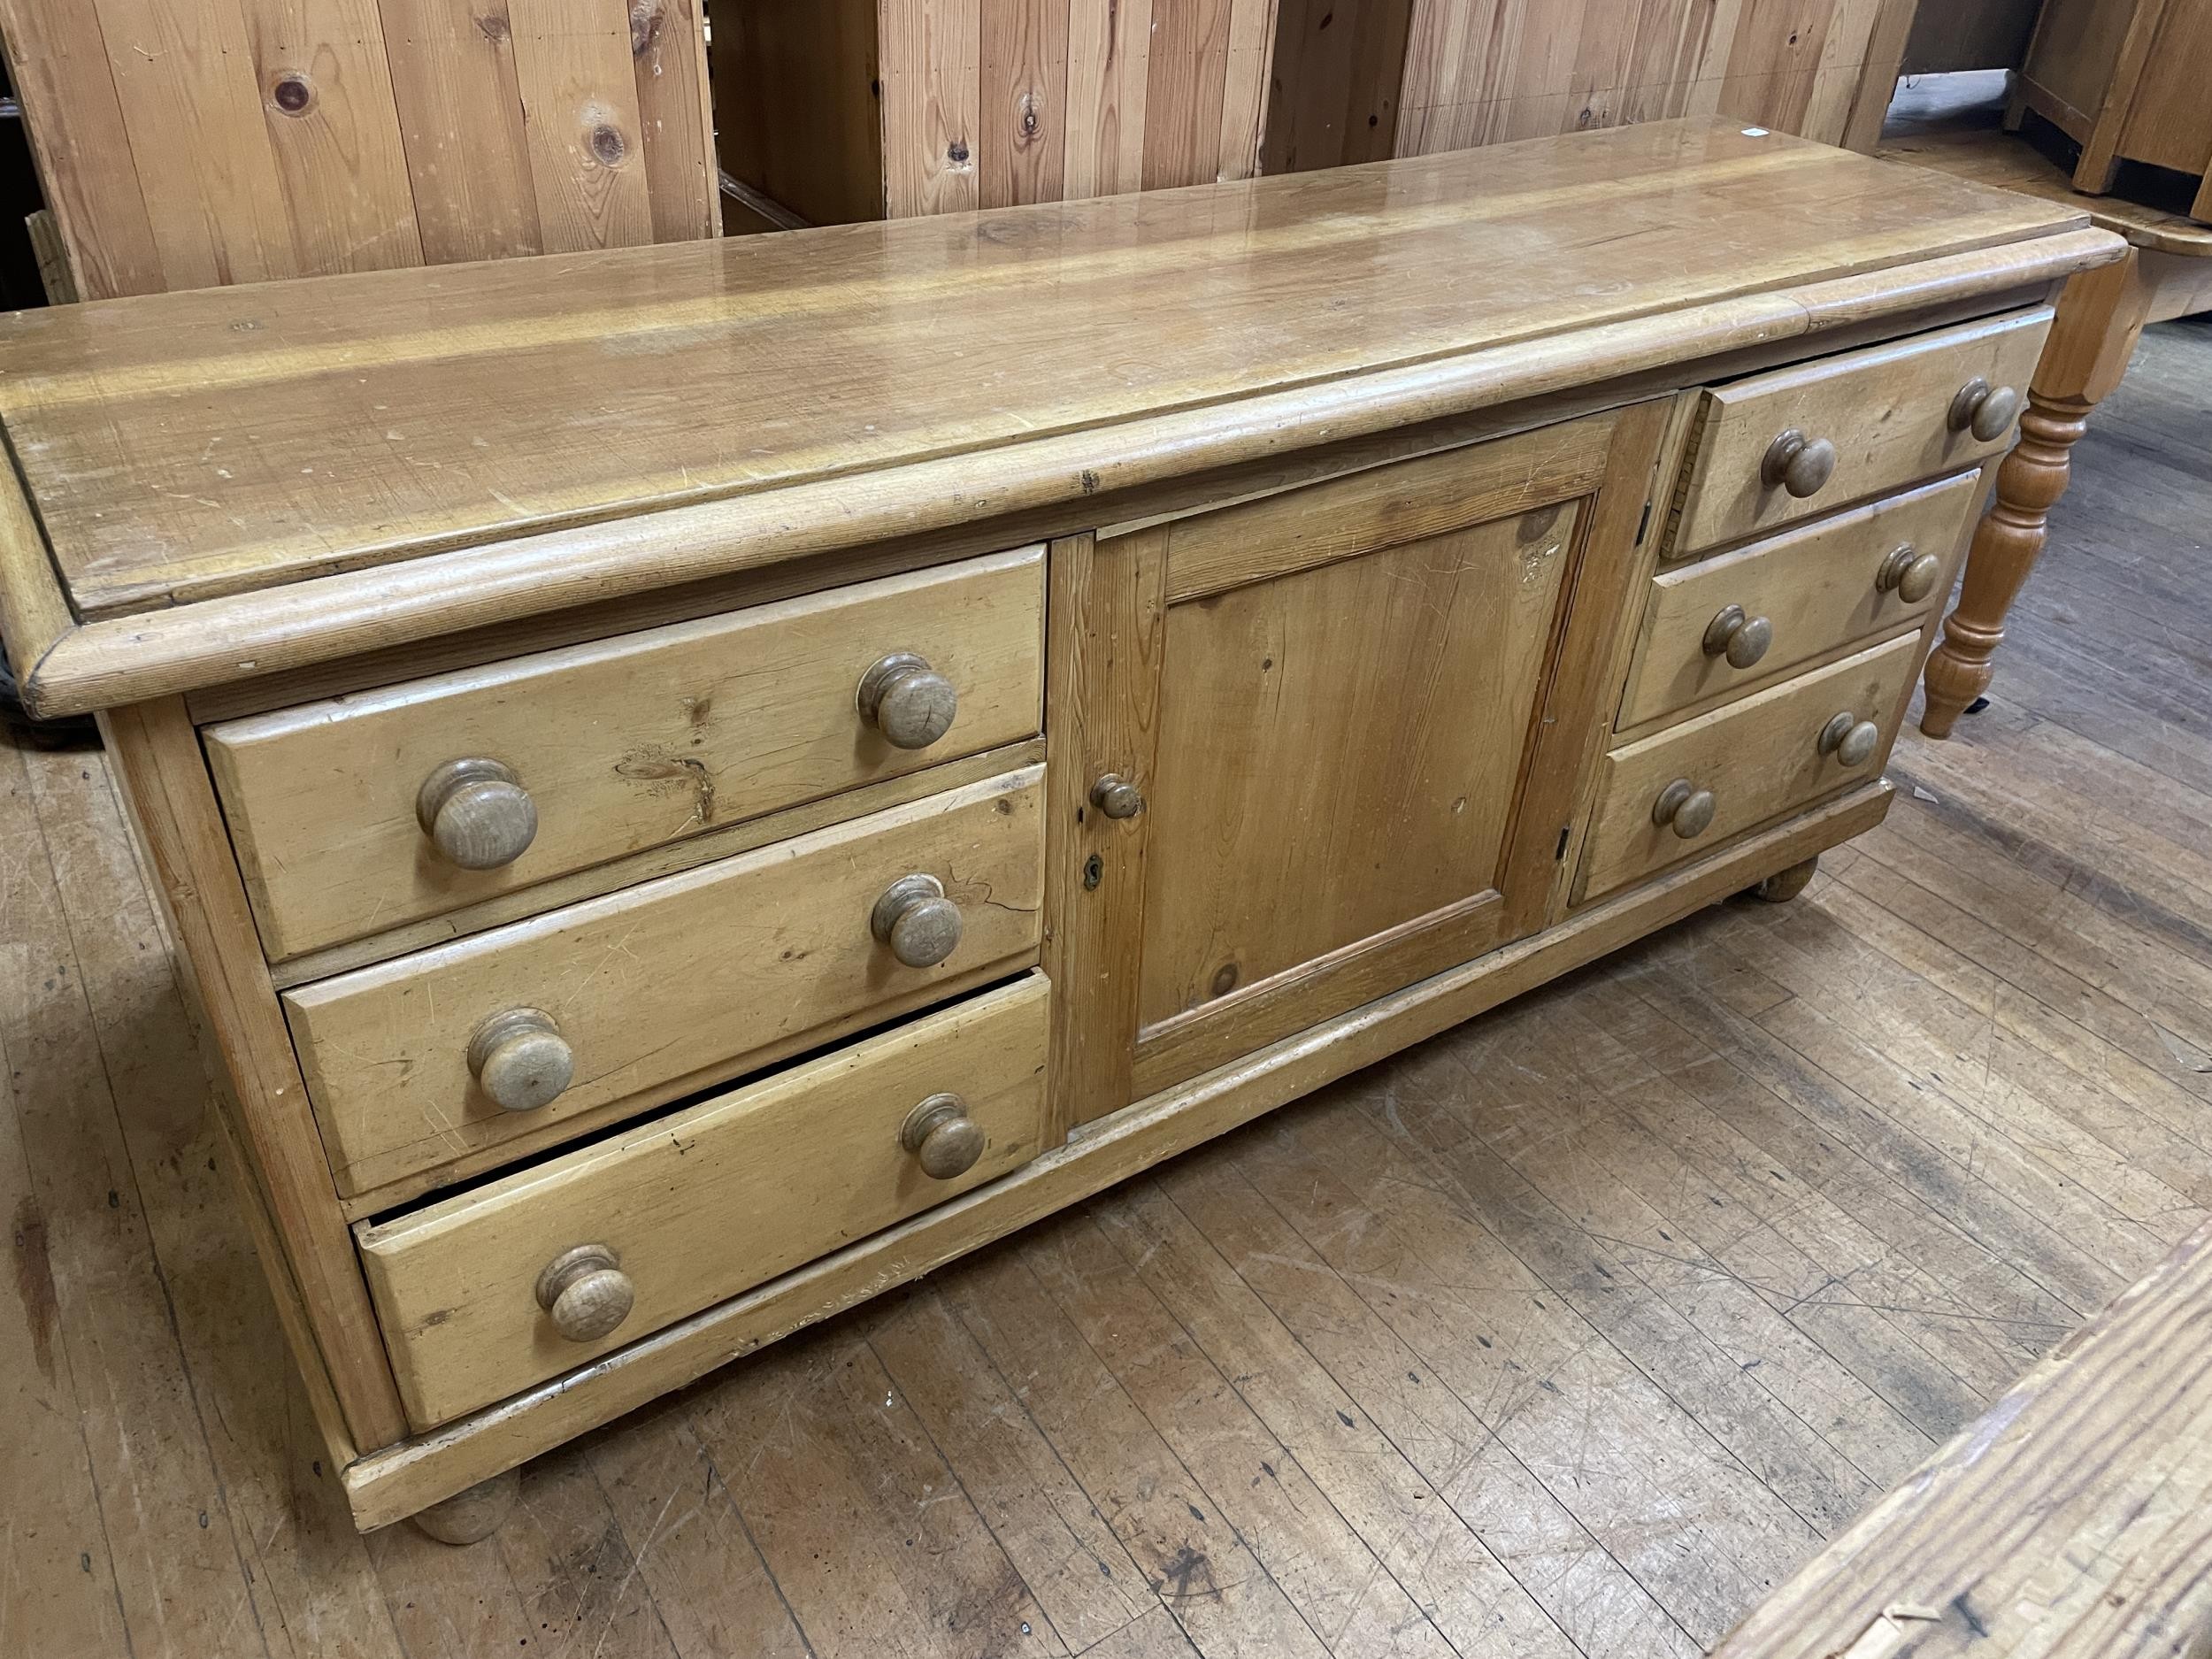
{"points": [[1571, 1331]]}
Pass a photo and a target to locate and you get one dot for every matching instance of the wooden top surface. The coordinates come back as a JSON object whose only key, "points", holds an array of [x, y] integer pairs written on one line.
{"points": [[225, 440], [2068, 1521]]}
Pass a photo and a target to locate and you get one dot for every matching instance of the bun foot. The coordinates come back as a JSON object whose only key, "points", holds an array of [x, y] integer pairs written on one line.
{"points": [[467, 1517], [1785, 885]]}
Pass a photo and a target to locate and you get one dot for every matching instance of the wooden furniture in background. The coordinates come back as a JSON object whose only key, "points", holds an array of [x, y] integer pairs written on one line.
{"points": [[837, 111], [207, 141], [477, 1108], [2067, 1522], [1360, 80], [1951, 35], [2166, 272], [2125, 80]]}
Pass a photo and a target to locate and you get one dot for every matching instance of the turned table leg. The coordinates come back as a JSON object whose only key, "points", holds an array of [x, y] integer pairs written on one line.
{"points": [[2100, 318]]}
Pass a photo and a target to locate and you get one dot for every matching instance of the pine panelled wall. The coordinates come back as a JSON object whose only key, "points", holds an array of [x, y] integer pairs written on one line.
{"points": [[1491, 72], [209, 141], [187, 143], [1362, 79], [832, 111]]}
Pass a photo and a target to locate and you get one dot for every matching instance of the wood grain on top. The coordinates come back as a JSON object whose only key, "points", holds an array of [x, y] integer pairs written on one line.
{"points": [[221, 441]]}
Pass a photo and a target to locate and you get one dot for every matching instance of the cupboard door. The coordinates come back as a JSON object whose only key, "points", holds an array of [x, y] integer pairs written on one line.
{"points": [[1356, 717]]}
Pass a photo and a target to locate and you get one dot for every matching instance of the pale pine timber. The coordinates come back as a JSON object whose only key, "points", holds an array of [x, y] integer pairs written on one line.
{"points": [[2042, 930]]}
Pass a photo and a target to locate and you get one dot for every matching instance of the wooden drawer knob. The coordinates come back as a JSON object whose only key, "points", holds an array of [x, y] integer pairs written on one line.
{"points": [[1987, 411], [917, 920], [1117, 797], [1684, 809], [907, 701], [477, 813], [585, 1291], [1849, 739], [520, 1059], [1800, 464], [1908, 572], [939, 1133], [1742, 639]]}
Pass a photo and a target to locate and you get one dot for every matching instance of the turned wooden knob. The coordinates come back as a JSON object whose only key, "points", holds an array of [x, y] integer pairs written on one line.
{"points": [[1849, 739], [1684, 809], [1117, 797], [1800, 464], [1908, 572], [1742, 639], [907, 701], [520, 1059], [477, 813], [917, 920], [585, 1291], [939, 1133], [1987, 411]]}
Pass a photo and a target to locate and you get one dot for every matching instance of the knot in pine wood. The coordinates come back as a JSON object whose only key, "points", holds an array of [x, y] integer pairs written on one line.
{"points": [[292, 92], [608, 144]]}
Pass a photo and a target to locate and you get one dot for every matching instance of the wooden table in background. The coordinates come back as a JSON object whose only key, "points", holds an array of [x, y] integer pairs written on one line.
{"points": [[2167, 272]]}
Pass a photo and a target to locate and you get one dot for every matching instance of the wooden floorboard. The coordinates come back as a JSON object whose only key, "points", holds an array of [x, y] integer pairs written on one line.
{"points": [[1569, 1333]]}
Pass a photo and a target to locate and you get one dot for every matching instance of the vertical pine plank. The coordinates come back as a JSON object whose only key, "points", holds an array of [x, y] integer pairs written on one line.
{"points": [[184, 80], [1849, 109], [460, 109], [1021, 139], [1441, 100], [930, 49], [1598, 81], [1543, 42], [1835, 82], [1772, 60], [58, 64], [1106, 624], [1679, 48], [1110, 45], [1509, 69], [1244, 87], [580, 120], [1184, 89], [327, 101], [676, 127]]}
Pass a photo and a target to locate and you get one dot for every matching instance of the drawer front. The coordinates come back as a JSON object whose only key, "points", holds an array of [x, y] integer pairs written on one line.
{"points": [[696, 1206], [1806, 594], [1887, 416], [665, 988], [614, 746], [1757, 758]]}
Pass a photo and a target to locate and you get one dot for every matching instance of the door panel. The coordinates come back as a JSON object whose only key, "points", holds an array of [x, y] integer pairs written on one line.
{"points": [[1360, 715], [1338, 751]]}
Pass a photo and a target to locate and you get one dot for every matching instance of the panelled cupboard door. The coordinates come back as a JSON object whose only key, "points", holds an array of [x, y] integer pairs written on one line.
{"points": [[1356, 715]]}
